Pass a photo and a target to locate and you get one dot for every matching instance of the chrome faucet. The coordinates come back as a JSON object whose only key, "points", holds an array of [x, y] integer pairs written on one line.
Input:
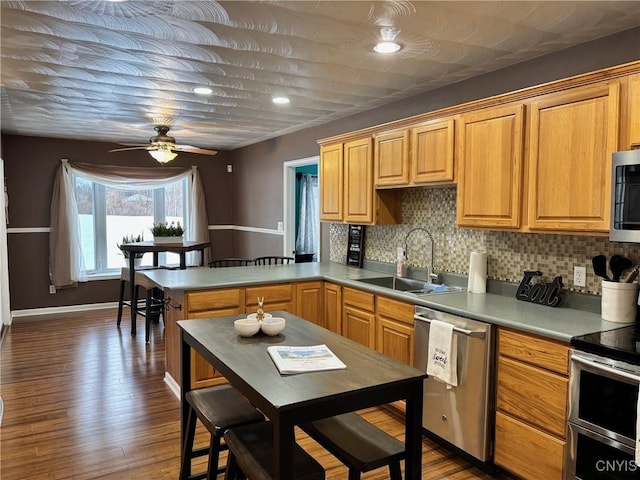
{"points": [[433, 277]]}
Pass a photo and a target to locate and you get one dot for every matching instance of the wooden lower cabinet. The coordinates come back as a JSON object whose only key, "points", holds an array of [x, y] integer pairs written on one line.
{"points": [[276, 297], [531, 405], [394, 324], [207, 304], [332, 307], [309, 302], [527, 451], [358, 317]]}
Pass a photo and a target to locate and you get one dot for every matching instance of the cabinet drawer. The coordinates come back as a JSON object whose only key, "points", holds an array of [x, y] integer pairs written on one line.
{"points": [[537, 396], [273, 294], [393, 309], [223, 299], [541, 352], [526, 451], [359, 299]]}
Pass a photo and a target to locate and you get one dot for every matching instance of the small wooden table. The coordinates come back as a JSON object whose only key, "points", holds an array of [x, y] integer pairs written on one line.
{"points": [[370, 379], [143, 247]]}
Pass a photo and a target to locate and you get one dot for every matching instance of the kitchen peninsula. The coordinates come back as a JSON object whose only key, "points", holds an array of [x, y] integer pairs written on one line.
{"points": [[314, 291]]}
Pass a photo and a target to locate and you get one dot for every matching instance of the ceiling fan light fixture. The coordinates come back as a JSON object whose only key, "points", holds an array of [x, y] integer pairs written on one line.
{"points": [[163, 155], [280, 100], [388, 44]]}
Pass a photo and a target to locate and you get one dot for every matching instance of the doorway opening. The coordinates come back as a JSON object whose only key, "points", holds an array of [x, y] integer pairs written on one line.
{"points": [[292, 205]]}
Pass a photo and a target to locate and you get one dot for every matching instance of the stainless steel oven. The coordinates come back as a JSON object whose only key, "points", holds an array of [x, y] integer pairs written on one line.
{"points": [[625, 197], [603, 406]]}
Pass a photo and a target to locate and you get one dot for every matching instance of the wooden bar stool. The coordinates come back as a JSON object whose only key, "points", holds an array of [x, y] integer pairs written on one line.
{"points": [[358, 444], [218, 408], [251, 455]]}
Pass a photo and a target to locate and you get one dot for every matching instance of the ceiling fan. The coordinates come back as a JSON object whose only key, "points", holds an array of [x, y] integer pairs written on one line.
{"points": [[163, 148]]}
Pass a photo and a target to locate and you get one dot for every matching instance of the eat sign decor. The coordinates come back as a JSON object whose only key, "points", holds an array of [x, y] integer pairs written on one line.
{"points": [[548, 294]]}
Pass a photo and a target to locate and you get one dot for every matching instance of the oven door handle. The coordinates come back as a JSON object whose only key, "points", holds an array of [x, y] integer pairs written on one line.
{"points": [[606, 368]]}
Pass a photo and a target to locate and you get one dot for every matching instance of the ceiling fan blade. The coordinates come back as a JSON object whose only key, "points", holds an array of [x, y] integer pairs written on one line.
{"points": [[129, 148], [192, 149]]}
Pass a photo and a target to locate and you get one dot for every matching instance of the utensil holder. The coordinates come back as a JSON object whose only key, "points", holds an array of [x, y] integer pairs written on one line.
{"points": [[619, 301]]}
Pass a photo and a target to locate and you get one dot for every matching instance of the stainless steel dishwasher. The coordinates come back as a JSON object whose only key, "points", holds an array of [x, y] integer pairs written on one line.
{"points": [[460, 415]]}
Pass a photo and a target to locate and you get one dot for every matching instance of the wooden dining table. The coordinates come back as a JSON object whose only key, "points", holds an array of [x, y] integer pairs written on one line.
{"points": [[181, 248], [369, 379]]}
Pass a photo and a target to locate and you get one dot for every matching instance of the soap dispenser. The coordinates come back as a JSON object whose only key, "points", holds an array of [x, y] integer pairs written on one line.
{"points": [[401, 268]]}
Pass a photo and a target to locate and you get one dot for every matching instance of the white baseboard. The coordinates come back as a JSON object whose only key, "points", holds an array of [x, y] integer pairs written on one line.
{"points": [[35, 313], [172, 384]]}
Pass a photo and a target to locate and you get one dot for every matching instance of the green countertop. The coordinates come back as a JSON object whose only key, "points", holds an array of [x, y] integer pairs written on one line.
{"points": [[559, 323]]}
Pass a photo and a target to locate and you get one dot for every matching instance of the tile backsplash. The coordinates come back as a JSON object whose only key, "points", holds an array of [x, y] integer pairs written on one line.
{"points": [[509, 253]]}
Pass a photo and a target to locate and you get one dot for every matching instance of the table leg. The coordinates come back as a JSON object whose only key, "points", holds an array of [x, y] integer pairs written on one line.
{"points": [[283, 441], [132, 287], [185, 386], [413, 433], [183, 260]]}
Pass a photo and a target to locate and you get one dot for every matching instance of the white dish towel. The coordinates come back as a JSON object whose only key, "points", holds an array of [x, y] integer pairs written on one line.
{"points": [[442, 353]]}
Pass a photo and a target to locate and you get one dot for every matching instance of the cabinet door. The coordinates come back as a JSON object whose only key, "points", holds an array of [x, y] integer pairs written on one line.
{"points": [[331, 182], [573, 134], [391, 158], [333, 307], [359, 326], [394, 324], [490, 168], [358, 182], [432, 152], [633, 115], [527, 452], [309, 302]]}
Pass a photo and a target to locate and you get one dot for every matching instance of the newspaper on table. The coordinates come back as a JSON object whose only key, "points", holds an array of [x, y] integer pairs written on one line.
{"points": [[290, 360]]}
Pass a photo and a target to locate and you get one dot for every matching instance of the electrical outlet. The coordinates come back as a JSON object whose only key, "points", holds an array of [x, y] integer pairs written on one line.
{"points": [[579, 276], [52, 289]]}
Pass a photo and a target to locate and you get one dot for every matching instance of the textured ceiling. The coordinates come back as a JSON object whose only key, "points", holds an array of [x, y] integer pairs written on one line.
{"points": [[104, 70]]}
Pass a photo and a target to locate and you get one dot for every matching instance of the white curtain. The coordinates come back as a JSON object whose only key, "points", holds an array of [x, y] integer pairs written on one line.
{"points": [[66, 266], [307, 239]]}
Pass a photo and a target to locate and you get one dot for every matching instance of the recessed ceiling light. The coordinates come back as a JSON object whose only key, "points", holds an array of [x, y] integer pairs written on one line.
{"points": [[388, 43], [280, 100], [202, 90]]}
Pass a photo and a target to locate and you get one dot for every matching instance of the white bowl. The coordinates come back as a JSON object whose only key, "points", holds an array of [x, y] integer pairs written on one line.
{"points": [[246, 327], [254, 316], [272, 326]]}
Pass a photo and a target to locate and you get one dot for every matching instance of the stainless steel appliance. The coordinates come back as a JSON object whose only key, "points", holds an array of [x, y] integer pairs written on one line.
{"points": [[603, 401], [625, 197], [460, 415]]}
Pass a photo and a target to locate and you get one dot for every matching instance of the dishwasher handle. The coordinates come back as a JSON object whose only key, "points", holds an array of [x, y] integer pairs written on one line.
{"points": [[463, 331]]}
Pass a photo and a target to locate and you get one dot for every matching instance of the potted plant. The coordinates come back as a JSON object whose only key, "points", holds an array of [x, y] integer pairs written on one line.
{"points": [[167, 232], [137, 256]]}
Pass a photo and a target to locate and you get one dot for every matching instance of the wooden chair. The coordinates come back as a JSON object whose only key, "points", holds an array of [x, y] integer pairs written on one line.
{"points": [[273, 260], [230, 262], [151, 306], [218, 408], [358, 444], [251, 455]]}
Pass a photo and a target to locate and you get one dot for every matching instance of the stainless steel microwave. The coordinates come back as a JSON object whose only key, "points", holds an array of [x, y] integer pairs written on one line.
{"points": [[625, 197]]}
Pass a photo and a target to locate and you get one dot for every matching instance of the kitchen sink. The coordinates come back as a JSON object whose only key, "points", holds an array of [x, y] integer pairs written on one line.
{"points": [[409, 285]]}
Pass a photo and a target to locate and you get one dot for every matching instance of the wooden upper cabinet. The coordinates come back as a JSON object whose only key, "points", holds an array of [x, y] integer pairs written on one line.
{"points": [[391, 158], [490, 161], [331, 178], [572, 136], [633, 115], [358, 182], [432, 152]]}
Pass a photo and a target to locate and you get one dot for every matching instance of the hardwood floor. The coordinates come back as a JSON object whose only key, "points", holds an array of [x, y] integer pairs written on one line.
{"points": [[86, 400]]}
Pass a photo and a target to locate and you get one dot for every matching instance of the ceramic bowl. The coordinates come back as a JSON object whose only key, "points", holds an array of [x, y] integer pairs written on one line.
{"points": [[246, 327], [272, 326], [254, 316]]}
